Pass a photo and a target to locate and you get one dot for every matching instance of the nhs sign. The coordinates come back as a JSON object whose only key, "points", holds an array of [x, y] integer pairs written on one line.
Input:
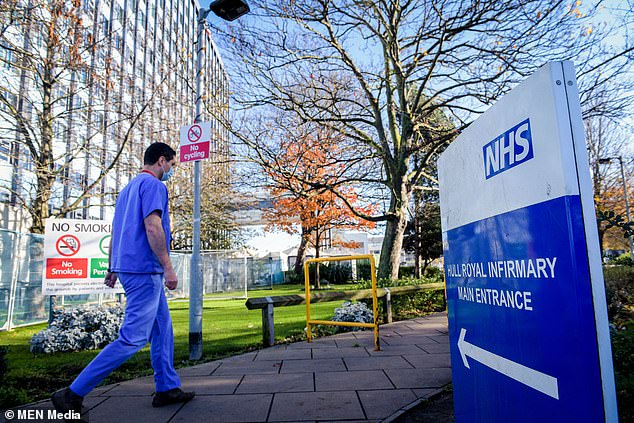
{"points": [[509, 149], [528, 325]]}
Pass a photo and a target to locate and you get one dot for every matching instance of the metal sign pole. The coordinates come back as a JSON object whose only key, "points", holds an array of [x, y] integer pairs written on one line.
{"points": [[195, 288], [627, 205]]}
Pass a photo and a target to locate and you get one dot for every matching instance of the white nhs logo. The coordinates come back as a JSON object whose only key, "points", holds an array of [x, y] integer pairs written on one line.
{"points": [[513, 147]]}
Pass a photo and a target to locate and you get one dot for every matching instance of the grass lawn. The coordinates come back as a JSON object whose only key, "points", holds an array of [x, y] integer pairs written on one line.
{"points": [[228, 328]]}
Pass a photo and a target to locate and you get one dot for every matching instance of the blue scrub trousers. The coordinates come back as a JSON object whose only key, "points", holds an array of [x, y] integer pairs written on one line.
{"points": [[147, 319]]}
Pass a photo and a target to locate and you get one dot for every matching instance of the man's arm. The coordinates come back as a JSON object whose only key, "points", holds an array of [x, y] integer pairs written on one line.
{"points": [[111, 277], [158, 244]]}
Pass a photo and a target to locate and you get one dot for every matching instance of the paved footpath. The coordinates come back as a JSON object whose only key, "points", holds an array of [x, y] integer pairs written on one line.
{"points": [[335, 378]]}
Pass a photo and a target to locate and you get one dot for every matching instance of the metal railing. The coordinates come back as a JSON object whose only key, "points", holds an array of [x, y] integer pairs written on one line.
{"points": [[374, 325]]}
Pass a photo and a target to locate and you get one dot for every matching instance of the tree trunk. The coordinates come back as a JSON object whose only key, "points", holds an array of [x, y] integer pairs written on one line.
{"points": [[40, 210], [301, 255], [44, 161], [392, 245]]}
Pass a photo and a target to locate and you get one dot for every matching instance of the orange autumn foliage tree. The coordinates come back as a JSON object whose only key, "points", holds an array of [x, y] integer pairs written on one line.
{"points": [[306, 162]]}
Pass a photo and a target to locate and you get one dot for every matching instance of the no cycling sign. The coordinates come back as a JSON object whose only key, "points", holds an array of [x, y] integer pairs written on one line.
{"points": [[195, 142], [76, 257]]}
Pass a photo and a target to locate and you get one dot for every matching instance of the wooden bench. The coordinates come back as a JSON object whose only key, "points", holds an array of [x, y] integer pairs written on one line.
{"points": [[267, 304]]}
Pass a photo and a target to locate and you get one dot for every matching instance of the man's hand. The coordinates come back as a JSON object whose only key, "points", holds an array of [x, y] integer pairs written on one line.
{"points": [[111, 279], [171, 280]]}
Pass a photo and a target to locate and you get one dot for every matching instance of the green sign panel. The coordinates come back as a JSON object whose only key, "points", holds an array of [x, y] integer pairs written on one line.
{"points": [[98, 267]]}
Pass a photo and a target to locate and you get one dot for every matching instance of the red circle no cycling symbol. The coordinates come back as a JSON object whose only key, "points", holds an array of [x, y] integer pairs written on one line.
{"points": [[195, 133]]}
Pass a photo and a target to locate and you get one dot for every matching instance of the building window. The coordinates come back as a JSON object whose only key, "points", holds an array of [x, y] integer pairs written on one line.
{"points": [[5, 150], [88, 5], [118, 13], [106, 26], [6, 56]]}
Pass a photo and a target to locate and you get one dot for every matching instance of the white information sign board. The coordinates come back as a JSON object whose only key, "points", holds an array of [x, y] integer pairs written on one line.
{"points": [[76, 257]]}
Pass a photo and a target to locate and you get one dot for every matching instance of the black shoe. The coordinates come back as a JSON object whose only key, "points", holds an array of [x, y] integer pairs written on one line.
{"points": [[172, 396], [69, 404]]}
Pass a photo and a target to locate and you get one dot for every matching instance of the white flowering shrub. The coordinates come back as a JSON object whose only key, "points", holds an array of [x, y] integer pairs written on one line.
{"points": [[352, 312], [80, 328]]}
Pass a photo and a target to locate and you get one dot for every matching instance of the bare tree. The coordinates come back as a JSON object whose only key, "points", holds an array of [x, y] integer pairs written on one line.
{"points": [[606, 141], [218, 231], [375, 71]]}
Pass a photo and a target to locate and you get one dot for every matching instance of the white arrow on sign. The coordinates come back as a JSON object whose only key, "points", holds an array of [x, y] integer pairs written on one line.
{"points": [[540, 381]]}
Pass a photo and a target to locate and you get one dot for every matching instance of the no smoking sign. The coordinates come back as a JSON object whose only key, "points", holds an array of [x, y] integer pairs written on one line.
{"points": [[76, 257], [67, 245]]}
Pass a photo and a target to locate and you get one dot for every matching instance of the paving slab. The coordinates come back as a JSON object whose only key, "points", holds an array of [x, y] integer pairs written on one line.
{"points": [[435, 348], [389, 350], [226, 409], [355, 342], [426, 393], [200, 370], [132, 409], [380, 404], [212, 385], [374, 363], [143, 386], [352, 381], [317, 343], [292, 382], [423, 361], [316, 406], [315, 365], [419, 378], [341, 352], [248, 367], [411, 340], [286, 354]]}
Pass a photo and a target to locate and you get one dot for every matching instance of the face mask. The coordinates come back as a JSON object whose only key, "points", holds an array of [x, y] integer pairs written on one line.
{"points": [[167, 175]]}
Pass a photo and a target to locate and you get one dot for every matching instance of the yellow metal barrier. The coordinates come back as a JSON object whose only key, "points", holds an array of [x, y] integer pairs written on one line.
{"points": [[374, 325]]}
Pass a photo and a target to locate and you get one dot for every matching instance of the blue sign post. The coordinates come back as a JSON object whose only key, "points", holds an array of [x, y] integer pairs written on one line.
{"points": [[527, 315]]}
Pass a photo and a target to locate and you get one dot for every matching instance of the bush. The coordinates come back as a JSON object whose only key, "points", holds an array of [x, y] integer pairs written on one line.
{"points": [[623, 260], [292, 278], [410, 305], [81, 328], [332, 273], [364, 270], [434, 273], [406, 271], [4, 365], [619, 291], [623, 358], [352, 312]]}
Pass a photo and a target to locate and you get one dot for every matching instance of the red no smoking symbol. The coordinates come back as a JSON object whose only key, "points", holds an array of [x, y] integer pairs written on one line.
{"points": [[194, 133], [67, 245]]}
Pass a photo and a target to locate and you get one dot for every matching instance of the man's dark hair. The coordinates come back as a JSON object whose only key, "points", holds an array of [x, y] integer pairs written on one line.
{"points": [[155, 151]]}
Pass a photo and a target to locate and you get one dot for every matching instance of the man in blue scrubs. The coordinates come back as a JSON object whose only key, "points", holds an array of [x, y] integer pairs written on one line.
{"points": [[139, 257]]}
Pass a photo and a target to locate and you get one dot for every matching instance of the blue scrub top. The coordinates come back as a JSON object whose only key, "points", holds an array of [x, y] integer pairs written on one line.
{"points": [[131, 252]]}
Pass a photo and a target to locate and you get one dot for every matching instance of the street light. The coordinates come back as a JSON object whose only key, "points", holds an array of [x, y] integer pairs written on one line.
{"points": [[607, 160], [228, 10]]}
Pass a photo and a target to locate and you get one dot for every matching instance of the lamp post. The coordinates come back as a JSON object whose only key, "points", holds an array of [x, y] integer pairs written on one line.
{"points": [[607, 160], [227, 10]]}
